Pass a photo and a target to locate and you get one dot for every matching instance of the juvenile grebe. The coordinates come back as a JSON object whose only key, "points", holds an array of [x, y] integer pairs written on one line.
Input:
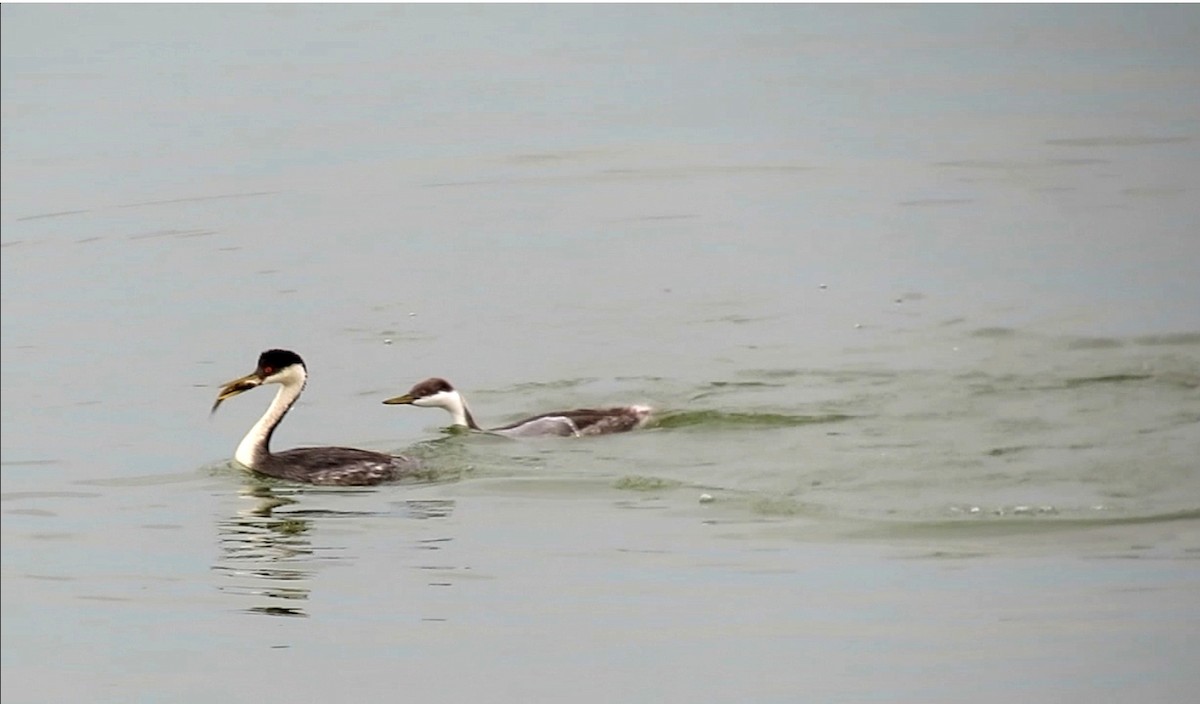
{"points": [[438, 393], [313, 465]]}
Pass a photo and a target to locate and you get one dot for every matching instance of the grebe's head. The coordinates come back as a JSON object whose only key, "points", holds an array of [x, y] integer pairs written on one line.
{"points": [[274, 367], [435, 393]]}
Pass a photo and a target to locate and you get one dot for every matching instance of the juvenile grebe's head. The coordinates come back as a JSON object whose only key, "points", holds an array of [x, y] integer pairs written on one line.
{"points": [[431, 393]]}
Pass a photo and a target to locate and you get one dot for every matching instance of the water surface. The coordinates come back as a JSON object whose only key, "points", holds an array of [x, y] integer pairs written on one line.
{"points": [[913, 287]]}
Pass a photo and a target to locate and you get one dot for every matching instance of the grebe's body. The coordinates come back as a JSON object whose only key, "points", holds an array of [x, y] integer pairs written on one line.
{"points": [[439, 393], [341, 466]]}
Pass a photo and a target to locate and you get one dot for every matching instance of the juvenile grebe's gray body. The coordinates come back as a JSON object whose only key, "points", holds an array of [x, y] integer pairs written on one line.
{"points": [[439, 393], [341, 466]]}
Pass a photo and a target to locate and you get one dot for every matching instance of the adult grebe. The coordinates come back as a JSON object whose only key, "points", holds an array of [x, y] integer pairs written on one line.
{"points": [[313, 465], [438, 393]]}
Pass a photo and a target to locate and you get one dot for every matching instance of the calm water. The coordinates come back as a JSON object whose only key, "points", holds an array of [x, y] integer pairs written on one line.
{"points": [[916, 289]]}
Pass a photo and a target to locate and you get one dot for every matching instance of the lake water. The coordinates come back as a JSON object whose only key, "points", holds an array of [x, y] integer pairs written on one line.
{"points": [[916, 290]]}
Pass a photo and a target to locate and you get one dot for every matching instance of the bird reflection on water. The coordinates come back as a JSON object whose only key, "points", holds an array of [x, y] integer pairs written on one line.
{"points": [[267, 547]]}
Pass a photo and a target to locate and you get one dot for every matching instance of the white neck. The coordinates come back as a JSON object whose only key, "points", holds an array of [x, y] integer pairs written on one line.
{"points": [[458, 408], [453, 402], [257, 443]]}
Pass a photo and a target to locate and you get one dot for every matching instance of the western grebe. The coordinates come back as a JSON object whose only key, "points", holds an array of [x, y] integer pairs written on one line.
{"points": [[313, 465], [439, 393]]}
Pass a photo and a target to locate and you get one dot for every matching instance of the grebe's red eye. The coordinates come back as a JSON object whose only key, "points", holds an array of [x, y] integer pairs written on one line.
{"points": [[268, 370]]}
